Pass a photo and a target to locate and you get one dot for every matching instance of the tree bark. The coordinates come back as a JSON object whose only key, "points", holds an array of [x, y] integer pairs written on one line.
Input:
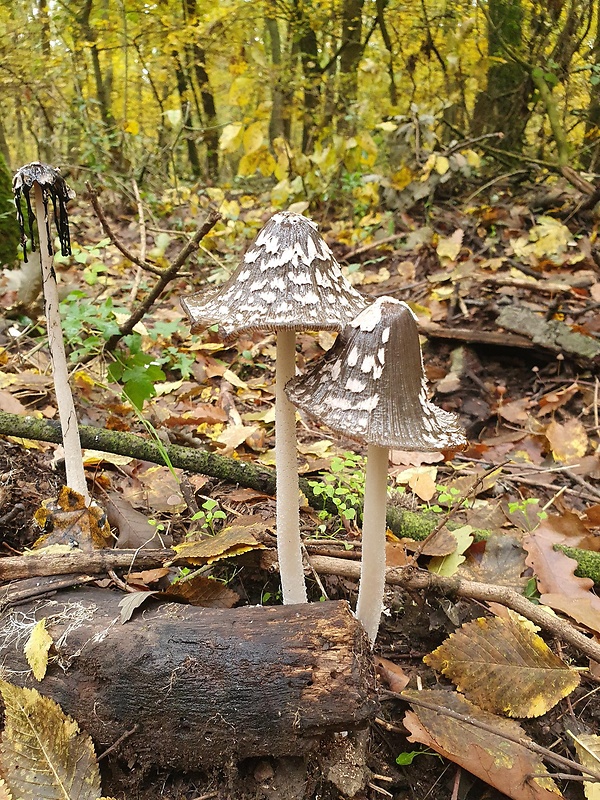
{"points": [[350, 56], [203, 686], [503, 106]]}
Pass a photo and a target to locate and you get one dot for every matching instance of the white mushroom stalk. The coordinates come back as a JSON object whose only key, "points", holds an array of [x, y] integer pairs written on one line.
{"points": [[288, 281], [371, 387], [46, 183]]}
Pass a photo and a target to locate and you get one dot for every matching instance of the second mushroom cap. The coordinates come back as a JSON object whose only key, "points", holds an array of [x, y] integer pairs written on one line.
{"points": [[371, 385]]}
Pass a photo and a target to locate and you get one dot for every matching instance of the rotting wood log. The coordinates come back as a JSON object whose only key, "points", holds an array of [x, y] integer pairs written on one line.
{"points": [[203, 686]]}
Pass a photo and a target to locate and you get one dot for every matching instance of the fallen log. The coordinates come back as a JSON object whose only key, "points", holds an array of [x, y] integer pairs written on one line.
{"points": [[202, 686]]}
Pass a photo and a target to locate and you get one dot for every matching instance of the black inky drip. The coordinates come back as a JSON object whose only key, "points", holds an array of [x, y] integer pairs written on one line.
{"points": [[53, 186]]}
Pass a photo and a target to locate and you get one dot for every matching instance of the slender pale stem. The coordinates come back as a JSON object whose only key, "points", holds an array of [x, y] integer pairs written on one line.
{"points": [[289, 550], [372, 569], [64, 398]]}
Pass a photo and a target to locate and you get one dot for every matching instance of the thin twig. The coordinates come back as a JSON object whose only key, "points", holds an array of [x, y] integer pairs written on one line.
{"points": [[138, 275], [106, 227], [119, 741], [554, 758], [166, 276]]}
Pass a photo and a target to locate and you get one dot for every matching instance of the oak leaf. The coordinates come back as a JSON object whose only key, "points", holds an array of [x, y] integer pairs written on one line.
{"points": [[504, 667]]}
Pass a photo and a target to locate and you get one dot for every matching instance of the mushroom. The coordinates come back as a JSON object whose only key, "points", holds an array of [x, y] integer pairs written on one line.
{"points": [[288, 281], [371, 387], [46, 183]]}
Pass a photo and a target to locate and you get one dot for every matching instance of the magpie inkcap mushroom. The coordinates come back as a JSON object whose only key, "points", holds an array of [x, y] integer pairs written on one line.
{"points": [[371, 387], [288, 281]]}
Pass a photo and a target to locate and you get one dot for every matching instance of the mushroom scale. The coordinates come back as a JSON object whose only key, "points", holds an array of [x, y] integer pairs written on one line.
{"points": [[288, 280], [371, 385]]}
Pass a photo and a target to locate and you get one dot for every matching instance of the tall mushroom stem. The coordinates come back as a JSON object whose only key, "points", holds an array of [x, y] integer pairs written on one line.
{"points": [[372, 570], [289, 548], [64, 398]]}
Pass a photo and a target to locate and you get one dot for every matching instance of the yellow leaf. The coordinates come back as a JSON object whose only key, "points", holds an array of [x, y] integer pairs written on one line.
{"points": [[587, 747], [504, 667], [43, 752], [132, 126], [233, 379], [231, 541], [450, 246], [241, 91], [37, 648], [258, 161], [472, 157], [447, 565], [231, 138], [281, 193], [442, 165], [4, 792], [388, 126], [230, 209], [253, 137], [568, 440]]}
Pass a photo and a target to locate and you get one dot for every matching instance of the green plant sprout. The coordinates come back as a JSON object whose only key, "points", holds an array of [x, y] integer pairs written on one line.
{"points": [[406, 759], [344, 486], [208, 515]]}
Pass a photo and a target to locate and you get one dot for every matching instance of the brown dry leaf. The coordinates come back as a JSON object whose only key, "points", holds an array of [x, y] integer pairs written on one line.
{"points": [[198, 590], [4, 792], [43, 752], [235, 435], [423, 485], [37, 648], [504, 667], [568, 440], [68, 521], [414, 459], [160, 489], [442, 544], [231, 541], [503, 764], [502, 564], [147, 576], [131, 601], [587, 747], [10, 403], [243, 495], [391, 675], [395, 554], [515, 411], [202, 413], [557, 583], [135, 531], [553, 400]]}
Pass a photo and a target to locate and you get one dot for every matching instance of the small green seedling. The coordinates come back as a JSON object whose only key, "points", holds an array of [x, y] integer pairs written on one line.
{"points": [[208, 515]]}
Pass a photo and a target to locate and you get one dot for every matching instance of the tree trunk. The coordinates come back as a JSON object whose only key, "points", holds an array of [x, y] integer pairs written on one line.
{"points": [[503, 104], [351, 51], [211, 132], [591, 158], [182, 88], [201, 687]]}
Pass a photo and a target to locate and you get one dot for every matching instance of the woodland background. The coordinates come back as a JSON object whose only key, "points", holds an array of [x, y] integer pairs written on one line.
{"points": [[450, 152]]}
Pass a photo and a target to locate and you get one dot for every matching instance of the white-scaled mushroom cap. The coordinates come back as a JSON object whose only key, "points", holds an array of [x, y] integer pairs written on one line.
{"points": [[371, 385], [288, 280]]}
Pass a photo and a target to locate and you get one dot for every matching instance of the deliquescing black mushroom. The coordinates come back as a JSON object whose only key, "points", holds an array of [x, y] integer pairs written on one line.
{"points": [[47, 184], [371, 387], [288, 281]]}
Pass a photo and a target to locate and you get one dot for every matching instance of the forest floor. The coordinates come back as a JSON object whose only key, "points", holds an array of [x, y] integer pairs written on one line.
{"points": [[530, 408]]}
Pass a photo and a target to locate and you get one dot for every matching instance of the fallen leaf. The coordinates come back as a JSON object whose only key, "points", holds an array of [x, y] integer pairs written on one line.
{"points": [[10, 403], [135, 530], [395, 554], [423, 485], [231, 541], [235, 435], [449, 247], [199, 590], [556, 399], [568, 440], [391, 675], [587, 747], [515, 411], [147, 576], [502, 564], [488, 754], [557, 583], [447, 565], [130, 602], [43, 752], [504, 667], [37, 649], [67, 520]]}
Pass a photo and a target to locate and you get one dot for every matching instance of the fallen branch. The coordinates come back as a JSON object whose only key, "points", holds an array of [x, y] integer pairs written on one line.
{"points": [[403, 523], [165, 276], [410, 578]]}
